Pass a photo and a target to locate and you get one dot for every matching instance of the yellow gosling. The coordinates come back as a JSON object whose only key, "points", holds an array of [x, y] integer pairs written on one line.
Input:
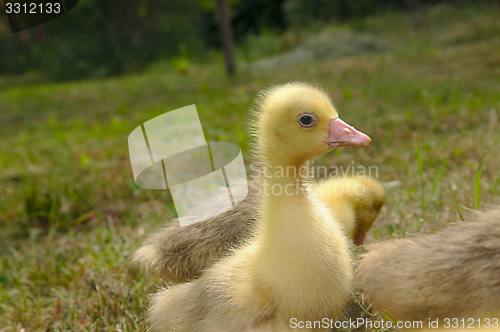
{"points": [[297, 264]]}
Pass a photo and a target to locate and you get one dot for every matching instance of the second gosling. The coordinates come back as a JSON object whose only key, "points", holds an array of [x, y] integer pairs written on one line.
{"points": [[179, 254]]}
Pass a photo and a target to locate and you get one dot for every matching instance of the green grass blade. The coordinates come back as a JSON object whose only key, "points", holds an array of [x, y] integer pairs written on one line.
{"points": [[478, 182], [361, 306], [437, 179], [460, 213], [439, 175], [421, 172], [420, 166]]}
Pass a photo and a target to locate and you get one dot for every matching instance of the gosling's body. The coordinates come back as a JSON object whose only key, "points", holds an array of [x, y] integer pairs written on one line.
{"points": [[297, 264], [179, 254], [254, 287], [453, 273]]}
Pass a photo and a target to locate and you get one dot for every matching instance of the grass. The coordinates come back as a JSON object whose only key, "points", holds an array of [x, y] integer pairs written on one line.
{"points": [[71, 214]]}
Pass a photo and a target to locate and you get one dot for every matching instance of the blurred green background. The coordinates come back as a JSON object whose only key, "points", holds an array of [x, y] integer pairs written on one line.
{"points": [[134, 33], [422, 78]]}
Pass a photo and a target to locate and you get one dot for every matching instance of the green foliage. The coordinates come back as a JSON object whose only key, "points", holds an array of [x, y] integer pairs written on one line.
{"points": [[316, 12], [98, 39], [181, 62], [307, 12], [254, 47]]}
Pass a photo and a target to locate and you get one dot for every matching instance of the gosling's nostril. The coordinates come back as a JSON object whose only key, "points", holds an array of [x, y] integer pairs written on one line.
{"points": [[342, 132]]}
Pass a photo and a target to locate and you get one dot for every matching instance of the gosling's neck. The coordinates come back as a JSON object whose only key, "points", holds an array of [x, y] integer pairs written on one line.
{"points": [[280, 166], [279, 179], [285, 186], [293, 216]]}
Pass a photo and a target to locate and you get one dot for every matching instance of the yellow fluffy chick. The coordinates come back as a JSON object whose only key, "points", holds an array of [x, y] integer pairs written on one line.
{"points": [[179, 254], [355, 202], [454, 273], [297, 264]]}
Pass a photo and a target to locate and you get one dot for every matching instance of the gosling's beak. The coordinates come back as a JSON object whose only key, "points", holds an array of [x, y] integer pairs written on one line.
{"points": [[359, 238], [342, 134]]}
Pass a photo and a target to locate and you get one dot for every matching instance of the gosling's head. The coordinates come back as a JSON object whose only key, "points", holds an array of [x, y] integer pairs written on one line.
{"points": [[367, 206], [362, 195], [296, 122]]}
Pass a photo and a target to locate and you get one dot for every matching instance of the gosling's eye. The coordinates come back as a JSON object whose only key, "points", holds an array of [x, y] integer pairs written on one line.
{"points": [[307, 120]]}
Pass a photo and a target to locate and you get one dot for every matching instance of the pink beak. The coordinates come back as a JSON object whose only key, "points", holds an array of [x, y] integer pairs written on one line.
{"points": [[341, 134]]}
